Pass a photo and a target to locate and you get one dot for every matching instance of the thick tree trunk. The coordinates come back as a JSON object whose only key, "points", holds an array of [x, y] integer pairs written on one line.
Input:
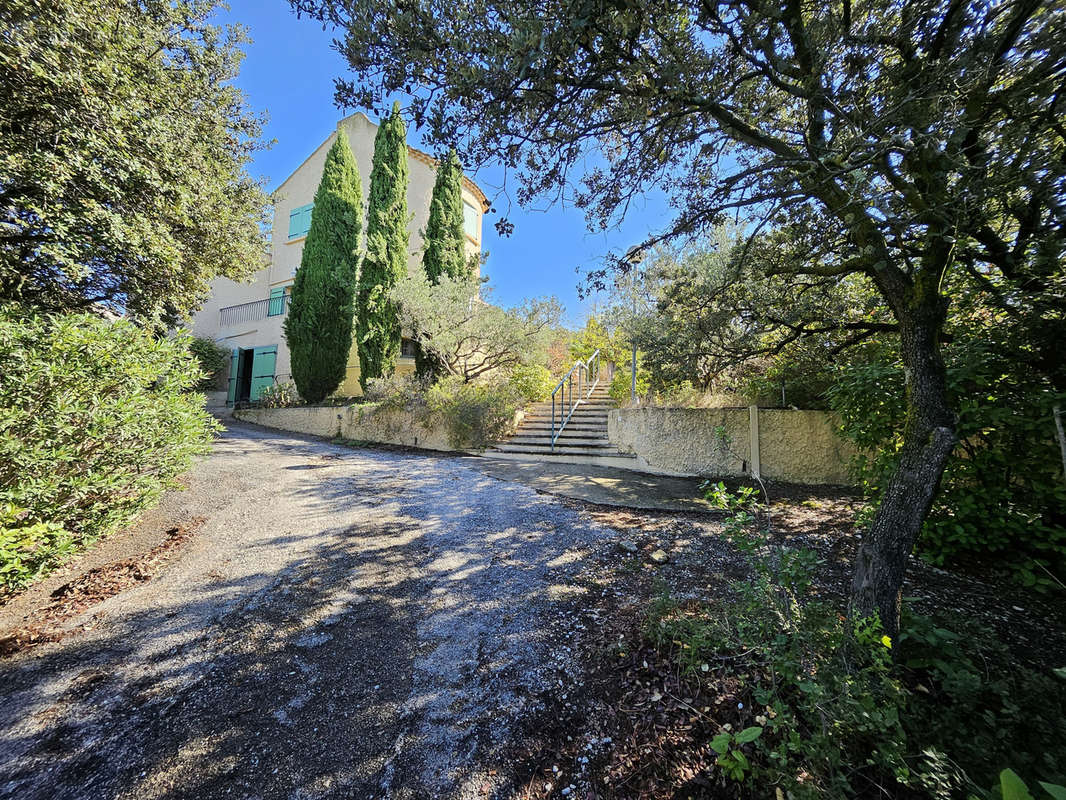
{"points": [[928, 440]]}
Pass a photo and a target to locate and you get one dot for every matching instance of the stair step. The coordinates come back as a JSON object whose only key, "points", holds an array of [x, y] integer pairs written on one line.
{"points": [[581, 411], [561, 451], [545, 428], [562, 441]]}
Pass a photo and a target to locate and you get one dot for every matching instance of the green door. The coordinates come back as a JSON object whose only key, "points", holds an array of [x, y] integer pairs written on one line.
{"points": [[234, 363], [263, 361]]}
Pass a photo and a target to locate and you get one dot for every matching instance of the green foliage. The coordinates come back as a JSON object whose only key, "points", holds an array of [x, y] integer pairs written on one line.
{"points": [[621, 387], [29, 549], [397, 391], [977, 704], [532, 382], [467, 336], [96, 419], [318, 328], [1002, 494], [1011, 787], [279, 395], [476, 414], [836, 712], [123, 152], [613, 347], [445, 251], [385, 262], [213, 359]]}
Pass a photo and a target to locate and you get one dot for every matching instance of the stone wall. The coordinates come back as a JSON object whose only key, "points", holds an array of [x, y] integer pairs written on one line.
{"points": [[364, 423], [777, 444]]}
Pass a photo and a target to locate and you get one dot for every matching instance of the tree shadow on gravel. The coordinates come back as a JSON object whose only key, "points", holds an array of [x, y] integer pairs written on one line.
{"points": [[396, 654]]}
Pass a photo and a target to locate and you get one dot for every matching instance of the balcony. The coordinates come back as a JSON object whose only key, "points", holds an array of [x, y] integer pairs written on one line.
{"points": [[254, 311]]}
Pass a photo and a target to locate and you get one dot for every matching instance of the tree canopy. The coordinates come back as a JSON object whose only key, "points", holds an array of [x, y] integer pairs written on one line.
{"points": [[123, 154], [467, 336], [318, 328], [385, 262], [901, 142]]}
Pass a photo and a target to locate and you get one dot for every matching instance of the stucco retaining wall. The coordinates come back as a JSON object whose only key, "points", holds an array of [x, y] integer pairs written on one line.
{"points": [[364, 423], [780, 444]]}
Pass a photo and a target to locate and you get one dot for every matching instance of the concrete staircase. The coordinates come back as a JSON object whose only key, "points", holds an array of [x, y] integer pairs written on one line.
{"points": [[583, 440]]}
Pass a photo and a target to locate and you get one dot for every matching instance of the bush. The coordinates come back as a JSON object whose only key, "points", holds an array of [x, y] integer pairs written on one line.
{"points": [[820, 710], [279, 395], [397, 391], [1002, 493], [532, 382], [825, 711], [96, 419], [214, 361], [621, 388], [476, 414]]}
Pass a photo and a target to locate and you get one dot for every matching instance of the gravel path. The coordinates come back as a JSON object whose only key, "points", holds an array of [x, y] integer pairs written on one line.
{"points": [[345, 623]]}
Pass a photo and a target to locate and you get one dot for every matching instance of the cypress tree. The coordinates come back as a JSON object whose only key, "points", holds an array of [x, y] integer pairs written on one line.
{"points": [[318, 328], [445, 241], [445, 252], [385, 262]]}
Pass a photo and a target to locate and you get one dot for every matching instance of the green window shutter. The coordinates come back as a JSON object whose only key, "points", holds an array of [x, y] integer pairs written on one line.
{"points": [[234, 361], [300, 220], [470, 221], [276, 305], [263, 361]]}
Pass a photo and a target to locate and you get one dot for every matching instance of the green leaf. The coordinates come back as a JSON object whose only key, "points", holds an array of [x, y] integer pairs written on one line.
{"points": [[1055, 790], [1013, 787], [749, 734], [720, 743]]}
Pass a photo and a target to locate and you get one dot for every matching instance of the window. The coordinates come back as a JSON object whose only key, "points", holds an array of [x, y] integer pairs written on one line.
{"points": [[470, 221], [300, 221], [408, 348], [276, 305]]}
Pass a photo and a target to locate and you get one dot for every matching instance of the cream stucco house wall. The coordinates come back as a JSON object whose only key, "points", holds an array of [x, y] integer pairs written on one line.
{"points": [[247, 317]]}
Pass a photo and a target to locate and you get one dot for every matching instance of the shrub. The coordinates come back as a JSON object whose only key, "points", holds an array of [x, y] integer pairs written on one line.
{"points": [[96, 419], [820, 710], [977, 704], [476, 414], [532, 382], [1002, 493], [279, 395], [826, 712], [397, 391], [213, 359], [621, 387]]}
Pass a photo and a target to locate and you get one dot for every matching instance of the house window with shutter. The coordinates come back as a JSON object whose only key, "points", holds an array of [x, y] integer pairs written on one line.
{"points": [[470, 220], [300, 221]]}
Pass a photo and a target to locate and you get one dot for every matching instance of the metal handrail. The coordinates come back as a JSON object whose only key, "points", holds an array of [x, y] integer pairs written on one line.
{"points": [[587, 372], [255, 310]]}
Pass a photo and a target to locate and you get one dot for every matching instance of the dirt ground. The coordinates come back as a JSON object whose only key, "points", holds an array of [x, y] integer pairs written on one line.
{"points": [[308, 620]]}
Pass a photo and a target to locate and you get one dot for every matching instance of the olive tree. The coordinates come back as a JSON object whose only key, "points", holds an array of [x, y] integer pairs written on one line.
{"points": [[467, 336]]}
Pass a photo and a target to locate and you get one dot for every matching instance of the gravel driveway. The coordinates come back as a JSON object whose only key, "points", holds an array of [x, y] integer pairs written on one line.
{"points": [[345, 623]]}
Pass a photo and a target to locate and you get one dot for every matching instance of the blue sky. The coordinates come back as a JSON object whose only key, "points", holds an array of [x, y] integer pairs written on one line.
{"points": [[289, 72]]}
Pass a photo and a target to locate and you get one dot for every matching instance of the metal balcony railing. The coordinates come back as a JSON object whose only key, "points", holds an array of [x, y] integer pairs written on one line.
{"points": [[256, 310]]}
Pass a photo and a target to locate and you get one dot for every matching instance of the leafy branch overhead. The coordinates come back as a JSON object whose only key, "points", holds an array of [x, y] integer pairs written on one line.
{"points": [[900, 142]]}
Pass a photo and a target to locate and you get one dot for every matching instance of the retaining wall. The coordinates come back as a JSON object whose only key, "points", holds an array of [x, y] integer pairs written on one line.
{"points": [[777, 444], [365, 423]]}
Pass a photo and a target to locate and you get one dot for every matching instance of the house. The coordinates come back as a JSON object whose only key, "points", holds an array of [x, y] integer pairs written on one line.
{"points": [[247, 317]]}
